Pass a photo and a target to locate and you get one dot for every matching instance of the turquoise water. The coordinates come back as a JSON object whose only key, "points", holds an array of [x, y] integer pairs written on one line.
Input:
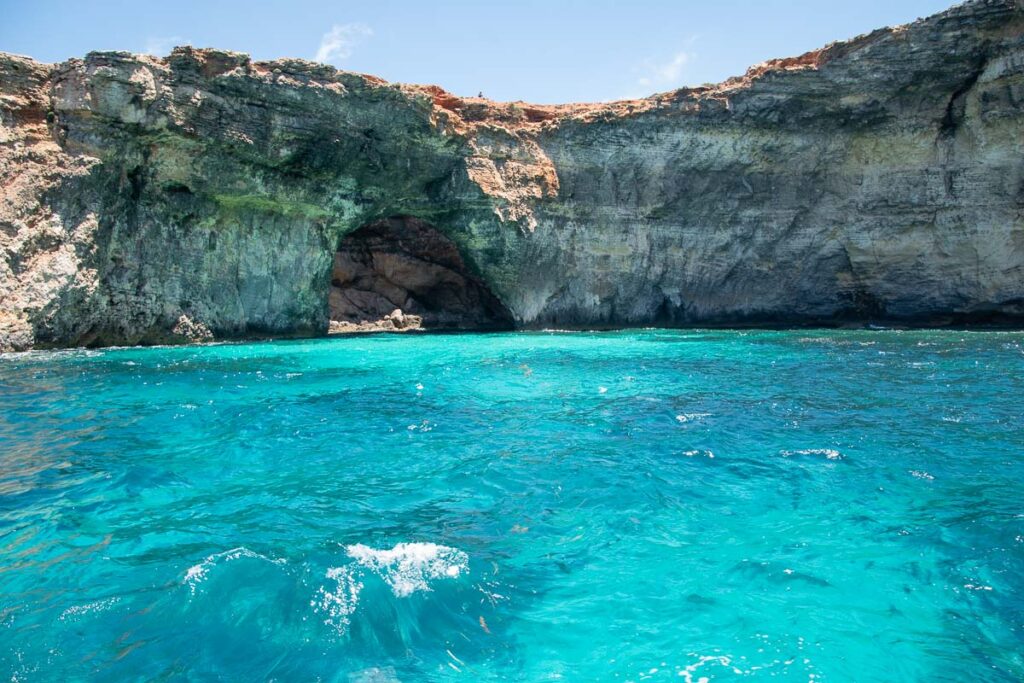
{"points": [[656, 505]]}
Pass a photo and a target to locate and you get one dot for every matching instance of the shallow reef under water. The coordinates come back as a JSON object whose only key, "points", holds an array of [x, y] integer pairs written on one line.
{"points": [[804, 505]]}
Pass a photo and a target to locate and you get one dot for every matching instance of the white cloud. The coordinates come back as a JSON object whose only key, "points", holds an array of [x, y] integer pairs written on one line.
{"points": [[667, 74], [338, 43], [160, 46]]}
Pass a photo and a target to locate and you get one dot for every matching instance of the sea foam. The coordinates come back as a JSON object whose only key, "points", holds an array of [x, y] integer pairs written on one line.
{"points": [[406, 569], [827, 453], [409, 567], [339, 604]]}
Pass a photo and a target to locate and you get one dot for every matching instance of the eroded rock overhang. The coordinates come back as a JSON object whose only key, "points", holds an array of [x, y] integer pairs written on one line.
{"points": [[406, 265]]}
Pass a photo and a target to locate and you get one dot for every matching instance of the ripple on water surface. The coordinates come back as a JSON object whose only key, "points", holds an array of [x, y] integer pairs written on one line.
{"points": [[650, 505]]}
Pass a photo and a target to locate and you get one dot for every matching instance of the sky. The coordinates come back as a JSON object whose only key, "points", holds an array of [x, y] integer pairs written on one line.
{"points": [[542, 51]]}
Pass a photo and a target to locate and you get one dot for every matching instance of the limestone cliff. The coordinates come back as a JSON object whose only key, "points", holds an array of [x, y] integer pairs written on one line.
{"points": [[881, 178]]}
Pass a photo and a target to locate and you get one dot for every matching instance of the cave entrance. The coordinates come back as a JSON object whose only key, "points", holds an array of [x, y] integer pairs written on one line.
{"points": [[405, 264]]}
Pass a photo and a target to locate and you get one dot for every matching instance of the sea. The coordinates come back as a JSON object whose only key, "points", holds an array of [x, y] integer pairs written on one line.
{"points": [[644, 505]]}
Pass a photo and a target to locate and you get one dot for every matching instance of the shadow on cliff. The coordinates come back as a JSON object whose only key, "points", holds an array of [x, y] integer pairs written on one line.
{"points": [[405, 264]]}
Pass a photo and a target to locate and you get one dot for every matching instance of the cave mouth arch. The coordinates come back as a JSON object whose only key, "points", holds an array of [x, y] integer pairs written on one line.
{"points": [[403, 263]]}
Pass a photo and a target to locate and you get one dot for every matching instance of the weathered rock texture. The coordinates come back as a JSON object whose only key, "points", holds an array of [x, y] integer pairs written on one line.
{"points": [[152, 200]]}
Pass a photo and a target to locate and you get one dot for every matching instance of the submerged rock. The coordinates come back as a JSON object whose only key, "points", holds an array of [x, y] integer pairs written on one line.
{"points": [[880, 178]]}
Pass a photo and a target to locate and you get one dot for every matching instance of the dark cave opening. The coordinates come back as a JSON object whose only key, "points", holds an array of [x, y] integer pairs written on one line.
{"points": [[406, 264]]}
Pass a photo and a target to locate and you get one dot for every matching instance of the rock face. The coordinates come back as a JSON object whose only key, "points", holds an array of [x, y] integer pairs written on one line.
{"points": [[876, 179]]}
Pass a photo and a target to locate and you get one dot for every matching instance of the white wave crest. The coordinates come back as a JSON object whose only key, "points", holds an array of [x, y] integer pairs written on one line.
{"points": [[196, 574], [409, 567], [829, 453]]}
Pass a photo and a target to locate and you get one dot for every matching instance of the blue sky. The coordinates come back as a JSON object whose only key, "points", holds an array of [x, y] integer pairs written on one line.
{"points": [[535, 50]]}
